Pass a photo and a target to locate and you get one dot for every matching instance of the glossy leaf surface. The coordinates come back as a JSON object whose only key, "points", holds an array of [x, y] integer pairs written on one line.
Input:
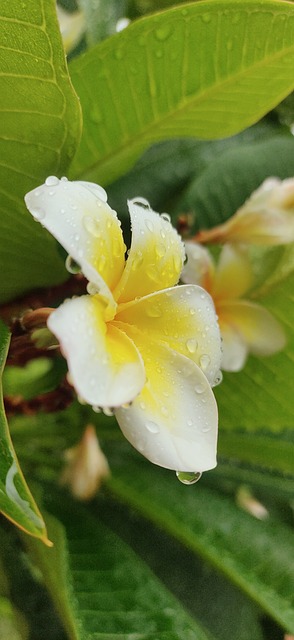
{"points": [[39, 130], [208, 69]]}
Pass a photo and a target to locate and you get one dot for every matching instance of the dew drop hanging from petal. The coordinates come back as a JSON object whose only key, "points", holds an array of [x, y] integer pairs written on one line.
{"points": [[188, 477]]}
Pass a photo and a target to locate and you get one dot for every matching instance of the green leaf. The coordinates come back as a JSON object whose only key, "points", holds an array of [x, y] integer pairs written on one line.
{"points": [[35, 378], [99, 586], [259, 449], [16, 501], [208, 69], [252, 554], [215, 194], [173, 166], [54, 567], [39, 130]]}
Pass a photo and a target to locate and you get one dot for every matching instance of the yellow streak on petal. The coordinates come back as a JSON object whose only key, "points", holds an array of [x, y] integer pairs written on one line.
{"points": [[173, 421], [156, 256], [183, 318], [233, 276], [104, 364]]}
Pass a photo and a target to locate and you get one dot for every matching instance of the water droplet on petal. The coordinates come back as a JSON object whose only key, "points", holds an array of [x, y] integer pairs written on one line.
{"points": [[218, 379], [152, 426], [142, 202], [166, 217], [200, 387], [160, 250], [192, 345], [96, 408], [149, 224], [51, 181], [153, 273], [92, 289], [204, 361], [137, 261], [107, 411], [92, 226], [72, 266], [206, 428], [188, 477], [39, 214]]}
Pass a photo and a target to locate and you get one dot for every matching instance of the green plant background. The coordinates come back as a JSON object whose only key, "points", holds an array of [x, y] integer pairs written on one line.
{"points": [[174, 109]]}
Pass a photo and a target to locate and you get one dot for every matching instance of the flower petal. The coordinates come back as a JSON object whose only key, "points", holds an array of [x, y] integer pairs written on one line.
{"points": [[156, 255], [181, 317], [173, 421], [233, 276], [104, 365], [77, 215], [199, 268], [235, 351], [256, 326], [72, 25], [266, 218]]}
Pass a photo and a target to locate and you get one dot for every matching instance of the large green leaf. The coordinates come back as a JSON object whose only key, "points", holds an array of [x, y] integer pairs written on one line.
{"points": [[208, 69], [166, 172], [39, 130], [101, 589], [254, 555], [222, 186], [209, 524], [16, 501]]}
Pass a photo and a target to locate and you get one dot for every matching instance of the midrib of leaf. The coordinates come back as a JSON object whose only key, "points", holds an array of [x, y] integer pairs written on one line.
{"points": [[163, 125]]}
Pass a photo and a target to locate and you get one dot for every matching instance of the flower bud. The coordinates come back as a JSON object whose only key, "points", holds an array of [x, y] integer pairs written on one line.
{"points": [[86, 466]]}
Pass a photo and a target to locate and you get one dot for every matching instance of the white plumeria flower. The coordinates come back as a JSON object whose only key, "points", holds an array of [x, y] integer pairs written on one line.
{"points": [[266, 218], [246, 327], [136, 338], [72, 26]]}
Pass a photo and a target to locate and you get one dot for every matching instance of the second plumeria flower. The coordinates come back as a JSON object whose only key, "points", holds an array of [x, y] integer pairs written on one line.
{"points": [[136, 344], [246, 327], [266, 218]]}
